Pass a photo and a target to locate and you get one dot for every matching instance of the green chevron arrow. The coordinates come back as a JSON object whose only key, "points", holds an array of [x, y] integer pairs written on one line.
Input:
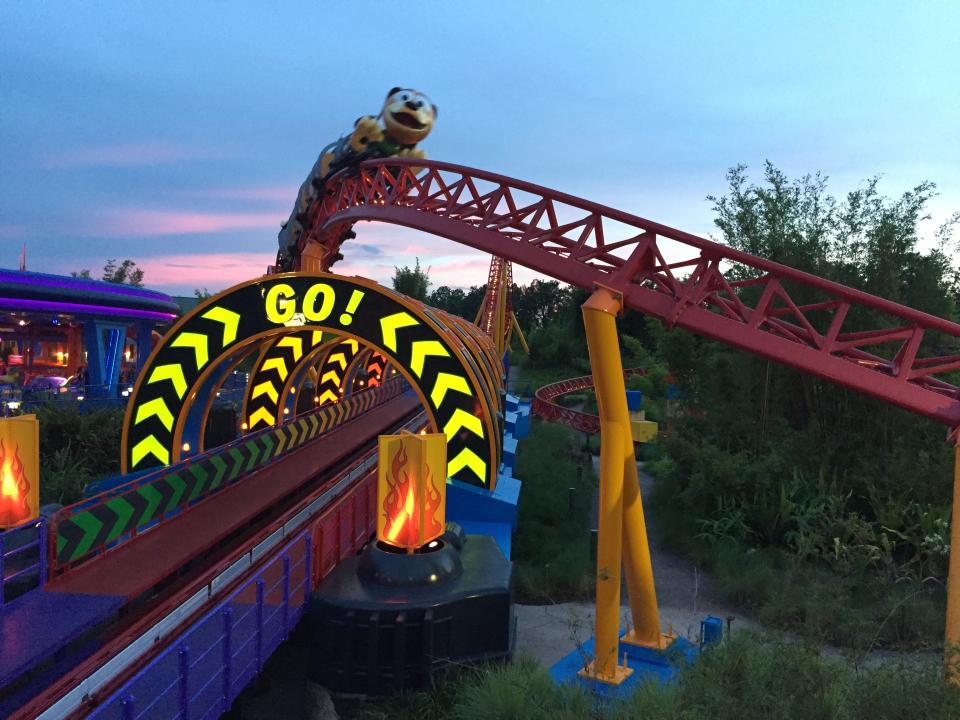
{"points": [[178, 485], [123, 510], [221, 466]]}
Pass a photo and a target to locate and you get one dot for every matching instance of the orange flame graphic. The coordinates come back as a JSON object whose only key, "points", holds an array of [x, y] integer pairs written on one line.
{"points": [[403, 526], [14, 488]]}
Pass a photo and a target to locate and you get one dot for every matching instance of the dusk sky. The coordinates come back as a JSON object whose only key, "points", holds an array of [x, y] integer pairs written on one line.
{"points": [[176, 134]]}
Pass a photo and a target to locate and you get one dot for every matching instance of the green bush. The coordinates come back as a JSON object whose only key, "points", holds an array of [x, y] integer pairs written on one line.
{"points": [[76, 447], [551, 551]]}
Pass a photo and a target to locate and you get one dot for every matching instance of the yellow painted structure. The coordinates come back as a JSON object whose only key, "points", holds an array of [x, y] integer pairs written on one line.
{"points": [[952, 636], [19, 470], [411, 489], [622, 528]]}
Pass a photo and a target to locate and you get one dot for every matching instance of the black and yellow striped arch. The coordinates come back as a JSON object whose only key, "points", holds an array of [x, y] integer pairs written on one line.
{"points": [[441, 365]]}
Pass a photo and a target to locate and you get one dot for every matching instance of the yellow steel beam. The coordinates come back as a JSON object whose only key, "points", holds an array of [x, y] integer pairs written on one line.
{"points": [[599, 319], [952, 637]]}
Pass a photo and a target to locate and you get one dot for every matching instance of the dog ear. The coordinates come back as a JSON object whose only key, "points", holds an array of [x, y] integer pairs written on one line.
{"points": [[435, 111], [394, 90]]}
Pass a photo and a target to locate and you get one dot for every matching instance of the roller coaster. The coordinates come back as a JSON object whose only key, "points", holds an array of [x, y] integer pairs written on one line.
{"points": [[171, 590]]}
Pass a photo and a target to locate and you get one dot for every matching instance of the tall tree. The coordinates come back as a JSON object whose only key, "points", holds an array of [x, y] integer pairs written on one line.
{"points": [[414, 282], [126, 273]]}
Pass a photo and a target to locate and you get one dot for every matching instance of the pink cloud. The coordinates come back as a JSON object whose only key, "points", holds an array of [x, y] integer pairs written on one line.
{"points": [[127, 154], [285, 194], [215, 271], [150, 223]]}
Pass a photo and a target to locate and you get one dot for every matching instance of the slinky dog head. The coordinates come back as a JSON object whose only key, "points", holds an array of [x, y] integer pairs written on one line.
{"points": [[408, 115]]}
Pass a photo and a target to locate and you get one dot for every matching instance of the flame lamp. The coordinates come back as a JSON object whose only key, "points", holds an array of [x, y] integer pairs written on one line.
{"points": [[19, 470], [411, 489]]}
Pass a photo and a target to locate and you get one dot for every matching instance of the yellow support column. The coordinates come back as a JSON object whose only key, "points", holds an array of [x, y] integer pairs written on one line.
{"points": [[952, 637], [599, 313], [636, 560]]}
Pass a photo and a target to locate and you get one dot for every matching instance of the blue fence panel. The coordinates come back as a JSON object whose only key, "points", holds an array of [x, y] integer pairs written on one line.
{"points": [[23, 559], [207, 666]]}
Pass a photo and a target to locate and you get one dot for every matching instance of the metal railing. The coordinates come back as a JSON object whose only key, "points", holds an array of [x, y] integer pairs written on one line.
{"points": [[23, 559], [60, 562]]}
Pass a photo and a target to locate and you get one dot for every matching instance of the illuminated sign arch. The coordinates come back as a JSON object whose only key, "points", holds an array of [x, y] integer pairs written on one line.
{"points": [[435, 362]]}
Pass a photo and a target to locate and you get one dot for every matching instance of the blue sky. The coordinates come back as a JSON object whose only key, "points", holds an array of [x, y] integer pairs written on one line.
{"points": [[177, 133]]}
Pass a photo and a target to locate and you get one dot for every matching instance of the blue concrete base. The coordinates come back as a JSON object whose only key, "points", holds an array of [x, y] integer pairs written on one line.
{"points": [[500, 532], [647, 665], [469, 502]]}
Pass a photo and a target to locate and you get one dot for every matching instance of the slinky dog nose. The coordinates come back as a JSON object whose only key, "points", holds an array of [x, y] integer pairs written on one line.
{"points": [[414, 105]]}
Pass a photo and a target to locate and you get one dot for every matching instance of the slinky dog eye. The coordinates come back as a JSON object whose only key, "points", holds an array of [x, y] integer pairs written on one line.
{"points": [[404, 97]]}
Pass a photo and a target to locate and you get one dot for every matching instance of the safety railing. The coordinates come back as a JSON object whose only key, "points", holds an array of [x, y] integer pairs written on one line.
{"points": [[102, 522], [201, 674], [23, 559]]}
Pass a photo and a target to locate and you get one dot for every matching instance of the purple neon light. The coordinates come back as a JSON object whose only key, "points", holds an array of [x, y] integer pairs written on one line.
{"points": [[69, 307], [65, 283]]}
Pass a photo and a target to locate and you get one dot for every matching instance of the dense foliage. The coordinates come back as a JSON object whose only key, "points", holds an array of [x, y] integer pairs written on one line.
{"points": [[551, 550], [77, 445]]}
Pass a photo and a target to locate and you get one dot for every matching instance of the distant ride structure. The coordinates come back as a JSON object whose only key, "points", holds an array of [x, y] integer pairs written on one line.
{"points": [[56, 326]]}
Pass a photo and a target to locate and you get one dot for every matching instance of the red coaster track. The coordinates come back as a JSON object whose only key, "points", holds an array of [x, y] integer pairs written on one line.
{"points": [[545, 405], [582, 243]]}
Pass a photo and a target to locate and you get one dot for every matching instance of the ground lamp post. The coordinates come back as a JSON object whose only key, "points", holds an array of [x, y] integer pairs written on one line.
{"points": [[422, 596]]}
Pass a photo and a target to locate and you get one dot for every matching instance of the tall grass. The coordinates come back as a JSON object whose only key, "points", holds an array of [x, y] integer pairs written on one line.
{"points": [[747, 678]]}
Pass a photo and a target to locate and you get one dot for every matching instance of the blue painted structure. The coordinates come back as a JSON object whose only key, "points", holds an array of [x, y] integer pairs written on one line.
{"points": [[481, 512], [202, 672], [646, 665]]}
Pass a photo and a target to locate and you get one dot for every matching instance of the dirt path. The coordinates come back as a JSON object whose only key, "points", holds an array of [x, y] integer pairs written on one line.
{"points": [[684, 593]]}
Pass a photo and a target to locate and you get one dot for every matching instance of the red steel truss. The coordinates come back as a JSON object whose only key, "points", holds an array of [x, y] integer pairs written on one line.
{"points": [[488, 308], [766, 308], [545, 405]]}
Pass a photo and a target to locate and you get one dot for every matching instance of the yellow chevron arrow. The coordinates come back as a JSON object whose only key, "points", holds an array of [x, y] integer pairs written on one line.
{"points": [[229, 319], [149, 446], [265, 388], [292, 341], [316, 337], [469, 459], [196, 341], [352, 343], [446, 382], [340, 358], [155, 407], [303, 429], [258, 415], [422, 349], [391, 323], [293, 434], [281, 440], [323, 417], [275, 364], [463, 419], [328, 396], [331, 375], [173, 373], [315, 424]]}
